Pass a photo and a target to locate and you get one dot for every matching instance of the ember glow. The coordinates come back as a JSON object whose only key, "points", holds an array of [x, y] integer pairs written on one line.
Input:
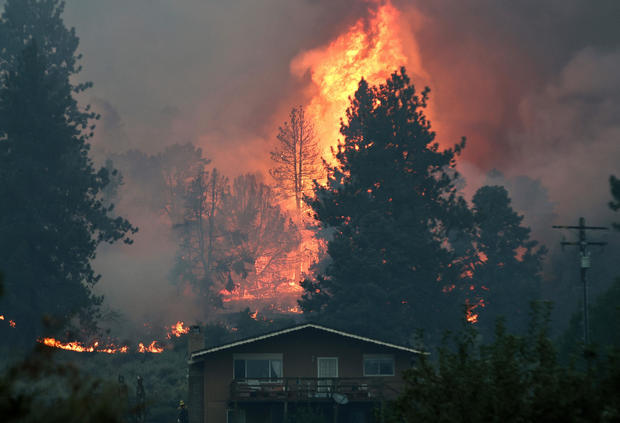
{"points": [[11, 322], [471, 316]]}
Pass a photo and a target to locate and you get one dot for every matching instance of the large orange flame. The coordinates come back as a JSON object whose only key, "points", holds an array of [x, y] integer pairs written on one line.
{"points": [[372, 48]]}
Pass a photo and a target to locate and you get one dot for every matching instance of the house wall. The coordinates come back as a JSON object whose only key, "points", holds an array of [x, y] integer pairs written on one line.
{"points": [[195, 401], [300, 350]]}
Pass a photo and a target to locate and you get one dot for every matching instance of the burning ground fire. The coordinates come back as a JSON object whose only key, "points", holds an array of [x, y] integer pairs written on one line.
{"points": [[175, 331]]}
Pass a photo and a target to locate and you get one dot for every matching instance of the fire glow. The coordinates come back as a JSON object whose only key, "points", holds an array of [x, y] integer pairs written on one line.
{"points": [[471, 316], [79, 347], [11, 322], [372, 48], [177, 330]]}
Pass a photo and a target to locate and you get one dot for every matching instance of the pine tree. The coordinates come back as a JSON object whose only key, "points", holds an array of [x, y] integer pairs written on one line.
{"points": [[52, 217], [507, 275], [393, 210], [23, 21]]}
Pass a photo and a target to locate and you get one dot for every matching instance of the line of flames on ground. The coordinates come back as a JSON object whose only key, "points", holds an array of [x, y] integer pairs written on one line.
{"points": [[177, 330]]}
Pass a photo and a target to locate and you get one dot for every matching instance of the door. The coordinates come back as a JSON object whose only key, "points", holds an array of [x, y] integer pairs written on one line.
{"points": [[327, 371]]}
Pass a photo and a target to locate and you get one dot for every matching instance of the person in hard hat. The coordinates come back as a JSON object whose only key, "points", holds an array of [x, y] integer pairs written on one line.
{"points": [[183, 417]]}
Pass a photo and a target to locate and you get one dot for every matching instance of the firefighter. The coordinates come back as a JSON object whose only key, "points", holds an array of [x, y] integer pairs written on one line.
{"points": [[183, 418]]}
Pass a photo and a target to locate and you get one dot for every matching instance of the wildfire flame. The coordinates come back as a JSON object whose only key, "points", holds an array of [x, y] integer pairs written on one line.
{"points": [[372, 48], [177, 330], [79, 347], [470, 315], [152, 348]]}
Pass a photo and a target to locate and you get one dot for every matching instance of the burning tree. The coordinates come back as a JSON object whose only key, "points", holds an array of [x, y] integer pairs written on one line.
{"points": [[296, 158], [392, 207], [263, 232], [234, 238]]}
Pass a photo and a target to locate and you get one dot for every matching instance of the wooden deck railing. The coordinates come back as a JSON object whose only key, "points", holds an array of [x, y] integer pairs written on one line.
{"points": [[311, 389]]}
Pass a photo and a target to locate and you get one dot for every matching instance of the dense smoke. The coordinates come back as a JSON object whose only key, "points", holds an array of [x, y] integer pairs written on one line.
{"points": [[534, 86]]}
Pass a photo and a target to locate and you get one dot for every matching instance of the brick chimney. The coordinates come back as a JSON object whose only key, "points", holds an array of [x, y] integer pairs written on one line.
{"points": [[195, 340]]}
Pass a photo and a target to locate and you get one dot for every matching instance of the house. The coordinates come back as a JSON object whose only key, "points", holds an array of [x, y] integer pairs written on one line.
{"points": [[269, 378]]}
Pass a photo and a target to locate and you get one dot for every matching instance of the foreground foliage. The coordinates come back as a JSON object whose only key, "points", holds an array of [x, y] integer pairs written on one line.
{"points": [[512, 379]]}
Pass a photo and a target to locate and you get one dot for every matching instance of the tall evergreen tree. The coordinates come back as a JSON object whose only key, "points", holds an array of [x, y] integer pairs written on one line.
{"points": [[507, 271], [23, 21], [52, 217], [394, 213]]}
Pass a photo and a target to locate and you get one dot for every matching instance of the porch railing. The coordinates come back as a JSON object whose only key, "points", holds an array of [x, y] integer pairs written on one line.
{"points": [[311, 389]]}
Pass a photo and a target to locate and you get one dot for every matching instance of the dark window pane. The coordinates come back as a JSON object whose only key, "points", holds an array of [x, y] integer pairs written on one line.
{"points": [[276, 368], [386, 366], [239, 369], [371, 366], [257, 369]]}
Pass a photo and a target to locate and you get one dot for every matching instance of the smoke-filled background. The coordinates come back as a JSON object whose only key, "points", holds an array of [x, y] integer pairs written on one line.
{"points": [[534, 86]]}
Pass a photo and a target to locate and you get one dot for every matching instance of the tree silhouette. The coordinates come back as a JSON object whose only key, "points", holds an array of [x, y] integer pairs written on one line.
{"points": [[296, 157], [507, 274], [392, 208], [53, 215]]}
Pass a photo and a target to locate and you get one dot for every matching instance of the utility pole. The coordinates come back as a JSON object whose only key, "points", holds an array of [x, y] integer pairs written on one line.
{"points": [[585, 264]]}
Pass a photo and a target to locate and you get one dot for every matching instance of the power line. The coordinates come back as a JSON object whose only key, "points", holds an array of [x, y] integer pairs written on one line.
{"points": [[585, 264]]}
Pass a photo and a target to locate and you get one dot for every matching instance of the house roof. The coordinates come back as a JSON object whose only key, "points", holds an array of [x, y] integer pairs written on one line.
{"points": [[201, 353]]}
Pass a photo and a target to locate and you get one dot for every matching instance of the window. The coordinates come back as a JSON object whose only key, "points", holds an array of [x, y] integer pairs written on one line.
{"points": [[235, 416], [378, 365], [257, 366], [327, 366]]}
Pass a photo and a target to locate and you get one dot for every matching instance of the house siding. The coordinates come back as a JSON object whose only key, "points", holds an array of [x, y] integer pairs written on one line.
{"points": [[196, 393], [300, 350]]}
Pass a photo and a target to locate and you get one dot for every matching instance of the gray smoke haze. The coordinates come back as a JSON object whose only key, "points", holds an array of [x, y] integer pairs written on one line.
{"points": [[535, 86]]}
